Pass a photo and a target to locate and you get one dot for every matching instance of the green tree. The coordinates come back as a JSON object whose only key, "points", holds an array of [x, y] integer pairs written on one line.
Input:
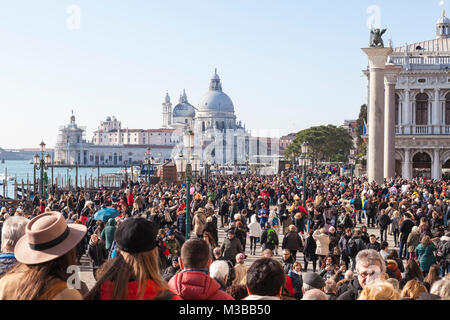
{"points": [[325, 143]]}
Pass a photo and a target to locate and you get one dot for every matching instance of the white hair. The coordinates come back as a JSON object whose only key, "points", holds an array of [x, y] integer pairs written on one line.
{"points": [[13, 229], [442, 289], [370, 257], [218, 270], [315, 294], [348, 274]]}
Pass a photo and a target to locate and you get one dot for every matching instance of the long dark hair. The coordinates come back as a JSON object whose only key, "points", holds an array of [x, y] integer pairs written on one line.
{"points": [[126, 267], [412, 268]]}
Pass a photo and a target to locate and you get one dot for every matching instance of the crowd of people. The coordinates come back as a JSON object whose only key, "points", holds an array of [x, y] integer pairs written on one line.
{"points": [[327, 242]]}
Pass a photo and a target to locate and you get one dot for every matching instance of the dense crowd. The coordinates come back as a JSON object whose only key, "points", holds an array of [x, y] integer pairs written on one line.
{"points": [[327, 242]]}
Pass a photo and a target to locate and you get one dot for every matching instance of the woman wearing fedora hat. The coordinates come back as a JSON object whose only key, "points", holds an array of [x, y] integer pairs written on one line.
{"points": [[134, 273], [44, 253]]}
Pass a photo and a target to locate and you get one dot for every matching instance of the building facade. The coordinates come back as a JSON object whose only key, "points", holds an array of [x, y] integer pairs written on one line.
{"points": [[219, 137], [422, 106]]}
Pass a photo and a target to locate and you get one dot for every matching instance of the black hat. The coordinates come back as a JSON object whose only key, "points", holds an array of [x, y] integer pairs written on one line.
{"points": [[230, 231], [314, 280], [136, 235]]}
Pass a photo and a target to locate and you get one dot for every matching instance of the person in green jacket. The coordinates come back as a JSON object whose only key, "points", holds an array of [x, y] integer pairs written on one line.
{"points": [[107, 234], [425, 254]]}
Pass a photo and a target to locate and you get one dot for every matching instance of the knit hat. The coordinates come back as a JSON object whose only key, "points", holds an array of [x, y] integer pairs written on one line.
{"points": [[136, 235], [314, 280]]}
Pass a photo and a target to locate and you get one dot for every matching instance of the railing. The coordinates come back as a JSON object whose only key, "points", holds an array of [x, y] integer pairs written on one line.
{"points": [[422, 130], [421, 60]]}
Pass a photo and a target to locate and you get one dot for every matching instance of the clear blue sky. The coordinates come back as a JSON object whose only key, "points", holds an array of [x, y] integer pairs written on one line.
{"points": [[287, 65]]}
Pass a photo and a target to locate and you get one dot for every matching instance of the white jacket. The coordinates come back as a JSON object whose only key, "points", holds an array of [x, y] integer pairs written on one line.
{"points": [[254, 228]]}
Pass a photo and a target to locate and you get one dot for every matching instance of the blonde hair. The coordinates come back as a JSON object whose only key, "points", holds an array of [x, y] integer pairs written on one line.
{"points": [[296, 263], [379, 290], [292, 227], [413, 289]]}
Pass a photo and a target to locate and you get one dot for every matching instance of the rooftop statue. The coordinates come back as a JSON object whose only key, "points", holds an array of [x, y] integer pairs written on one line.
{"points": [[375, 38]]}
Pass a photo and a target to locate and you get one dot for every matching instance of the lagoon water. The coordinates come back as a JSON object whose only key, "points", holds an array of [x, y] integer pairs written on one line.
{"points": [[22, 169]]}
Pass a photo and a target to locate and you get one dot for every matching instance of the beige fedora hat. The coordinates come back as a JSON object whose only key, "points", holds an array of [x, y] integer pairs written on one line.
{"points": [[48, 237]]}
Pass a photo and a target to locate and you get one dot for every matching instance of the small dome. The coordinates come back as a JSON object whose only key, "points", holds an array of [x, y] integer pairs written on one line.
{"points": [[184, 110], [443, 19], [216, 101], [108, 118]]}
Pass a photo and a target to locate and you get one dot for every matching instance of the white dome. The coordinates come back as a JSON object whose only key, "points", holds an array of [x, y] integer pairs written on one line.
{"points": [[443, 20], [216, 101], [184, 110]]}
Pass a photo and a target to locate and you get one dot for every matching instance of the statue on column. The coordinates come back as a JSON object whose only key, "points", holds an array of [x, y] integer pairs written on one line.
{"points": [[375, 38]]}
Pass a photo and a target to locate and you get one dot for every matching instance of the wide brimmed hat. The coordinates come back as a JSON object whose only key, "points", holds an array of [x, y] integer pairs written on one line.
{"points": [[47, 237]]}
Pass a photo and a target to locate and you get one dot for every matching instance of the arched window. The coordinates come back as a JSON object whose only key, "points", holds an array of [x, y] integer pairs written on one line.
{"points": [[422, 109], [397, 109], [447, 109]]}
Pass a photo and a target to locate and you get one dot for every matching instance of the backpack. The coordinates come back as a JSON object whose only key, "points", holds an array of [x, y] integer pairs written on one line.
{"points": [[352, 248], [271, 237]]}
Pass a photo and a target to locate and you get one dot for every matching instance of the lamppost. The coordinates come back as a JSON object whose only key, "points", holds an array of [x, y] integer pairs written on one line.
{"points": [[246, 163], [207, 166], [188, 143], [352, 167], [149, 162], [42, 163]]}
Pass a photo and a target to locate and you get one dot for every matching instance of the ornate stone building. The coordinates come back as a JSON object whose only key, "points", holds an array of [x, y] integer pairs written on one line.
{"points": [[422, 105]]}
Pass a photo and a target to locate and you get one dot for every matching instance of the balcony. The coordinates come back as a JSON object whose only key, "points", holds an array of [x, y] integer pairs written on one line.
{"points": [[422, 130]]}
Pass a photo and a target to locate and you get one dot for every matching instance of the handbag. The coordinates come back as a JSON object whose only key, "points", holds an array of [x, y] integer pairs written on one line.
{"points": [[336, 251]]}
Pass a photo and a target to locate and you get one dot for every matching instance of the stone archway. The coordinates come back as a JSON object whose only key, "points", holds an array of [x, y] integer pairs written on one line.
{"points": [[421, 163], [446, 166]]}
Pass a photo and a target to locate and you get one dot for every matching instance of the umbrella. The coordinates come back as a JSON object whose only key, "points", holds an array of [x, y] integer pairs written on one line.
{"points": [[106, 213]]}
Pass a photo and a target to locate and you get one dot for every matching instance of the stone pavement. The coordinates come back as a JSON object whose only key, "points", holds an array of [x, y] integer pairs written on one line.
{"points": [[88, 278]]}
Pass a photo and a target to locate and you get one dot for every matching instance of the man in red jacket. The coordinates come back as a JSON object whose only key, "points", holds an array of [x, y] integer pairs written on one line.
{"points": [[194, 282], [130, 198]]}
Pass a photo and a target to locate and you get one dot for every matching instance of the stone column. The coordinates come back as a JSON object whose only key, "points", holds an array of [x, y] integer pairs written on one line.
{"points": [[436, 109], [406, 170], [390, 80], [377, 63], [436, 172], [407, 113]]}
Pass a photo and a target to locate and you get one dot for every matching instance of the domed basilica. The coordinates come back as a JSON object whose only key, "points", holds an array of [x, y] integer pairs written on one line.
{"points": [[219, 138]]}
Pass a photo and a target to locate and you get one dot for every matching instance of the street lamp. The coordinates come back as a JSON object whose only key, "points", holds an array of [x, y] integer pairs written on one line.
{"points": [[352, 166], [246, 163], [188, 143], [42, 163], [303, 160], [149, 162]]}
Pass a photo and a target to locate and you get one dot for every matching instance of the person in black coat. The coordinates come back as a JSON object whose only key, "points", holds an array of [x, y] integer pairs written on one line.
{"points": [[383, 221], [97, 253], [309, 252], [318, 220], [292, 242], [374, 244], [352, 292], [405, 230]]}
